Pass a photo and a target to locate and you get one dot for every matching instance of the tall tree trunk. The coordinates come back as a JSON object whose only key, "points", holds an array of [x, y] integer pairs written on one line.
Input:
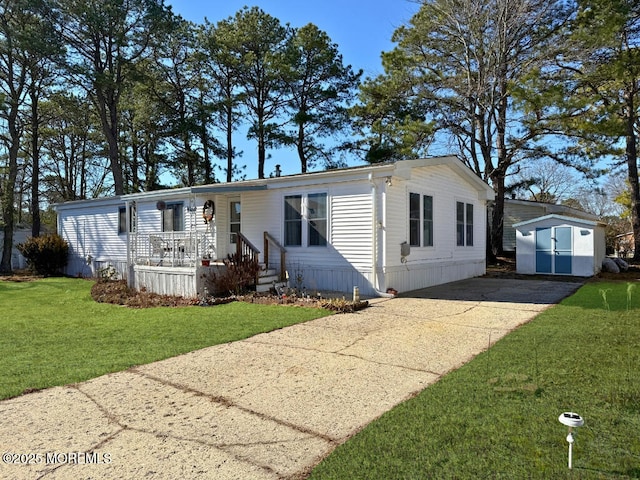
{"points": [[191, 158], [204, 139], [35, 163], [229, 128], [631, 151], [262, 151], [8, 196], [503, 161], [497, 219], [109, 120], [301, 153]]}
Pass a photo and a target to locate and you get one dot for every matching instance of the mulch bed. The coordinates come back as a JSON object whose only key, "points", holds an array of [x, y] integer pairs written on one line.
{"points": [[117, 292]]}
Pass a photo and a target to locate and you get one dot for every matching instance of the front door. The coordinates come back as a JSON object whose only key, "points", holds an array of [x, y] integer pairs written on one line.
{"points": [[553, 250], [235, 216]]}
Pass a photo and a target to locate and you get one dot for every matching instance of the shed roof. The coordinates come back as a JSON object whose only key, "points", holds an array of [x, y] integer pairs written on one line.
{"points": [[552, 208], [560, 218]]}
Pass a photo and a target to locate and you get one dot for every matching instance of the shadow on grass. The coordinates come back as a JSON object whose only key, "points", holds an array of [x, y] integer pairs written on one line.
{"points": [[631, 473]]}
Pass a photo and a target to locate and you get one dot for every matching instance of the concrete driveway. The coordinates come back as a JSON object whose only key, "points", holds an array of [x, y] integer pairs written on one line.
{"points": [[271, 406]]}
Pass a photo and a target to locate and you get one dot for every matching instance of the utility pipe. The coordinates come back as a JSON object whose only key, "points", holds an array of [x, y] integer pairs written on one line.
{"points": [[374, 239]]}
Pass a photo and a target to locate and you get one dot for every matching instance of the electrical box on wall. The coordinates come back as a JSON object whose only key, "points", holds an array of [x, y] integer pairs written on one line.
{"points": [[405, 249]]}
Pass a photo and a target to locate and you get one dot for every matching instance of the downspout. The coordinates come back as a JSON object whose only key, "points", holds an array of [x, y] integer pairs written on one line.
{"points": [[130, 269], [374, 239]]}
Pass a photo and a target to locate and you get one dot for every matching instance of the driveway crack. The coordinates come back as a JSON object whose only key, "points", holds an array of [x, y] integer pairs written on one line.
{"points": [[230, 403], [227, 448]]}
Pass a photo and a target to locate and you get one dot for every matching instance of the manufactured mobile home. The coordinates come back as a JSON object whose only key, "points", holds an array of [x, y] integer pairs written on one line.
{"points": [[388, 227]]}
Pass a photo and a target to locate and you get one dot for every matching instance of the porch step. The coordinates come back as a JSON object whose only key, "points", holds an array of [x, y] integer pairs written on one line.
{"points": [[268, 279], [267, 273], [265, 287]]}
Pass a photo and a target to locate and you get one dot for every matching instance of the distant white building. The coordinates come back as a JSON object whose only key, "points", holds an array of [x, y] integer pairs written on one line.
{"points": [[20, 235]]}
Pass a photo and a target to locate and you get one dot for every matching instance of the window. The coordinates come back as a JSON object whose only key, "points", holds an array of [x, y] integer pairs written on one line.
{"points": [[122, 219], [305, 220], [173, 217], [235, 216], [293, 220], [464, 224], [427, 221], [469, 224], [414, 220], [317, 208], [420, 220]]}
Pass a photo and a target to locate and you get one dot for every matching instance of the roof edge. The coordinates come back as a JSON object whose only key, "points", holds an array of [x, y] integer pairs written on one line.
{"points": [[566, 218]]}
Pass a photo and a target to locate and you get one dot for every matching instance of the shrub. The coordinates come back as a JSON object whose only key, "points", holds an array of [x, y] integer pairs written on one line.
{"points": [[45, 255], [239, 273]]}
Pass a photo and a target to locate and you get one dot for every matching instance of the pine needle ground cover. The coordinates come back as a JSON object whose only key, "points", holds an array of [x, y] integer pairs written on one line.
{"points": [[54, 333], [497, 417]]}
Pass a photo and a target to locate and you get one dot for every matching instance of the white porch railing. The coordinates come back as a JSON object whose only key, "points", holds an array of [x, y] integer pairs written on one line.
{"points": [[172, 249]]}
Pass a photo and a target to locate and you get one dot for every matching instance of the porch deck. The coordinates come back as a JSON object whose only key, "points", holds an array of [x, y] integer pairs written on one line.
{"points": [[170, 249], [179, 263]]}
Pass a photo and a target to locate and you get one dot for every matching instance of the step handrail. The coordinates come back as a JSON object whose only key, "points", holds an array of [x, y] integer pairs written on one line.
{"points": [[268, 238], [244, 248]]}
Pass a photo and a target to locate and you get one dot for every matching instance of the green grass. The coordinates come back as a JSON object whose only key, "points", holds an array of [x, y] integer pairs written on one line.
{"points": [[53, 333], [497, 417]]}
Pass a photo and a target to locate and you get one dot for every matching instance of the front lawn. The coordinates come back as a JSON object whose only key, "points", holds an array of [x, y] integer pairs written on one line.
{"points": [[54, 333], [497, 417]]}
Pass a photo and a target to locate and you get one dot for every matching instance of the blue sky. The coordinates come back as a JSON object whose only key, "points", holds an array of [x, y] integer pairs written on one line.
{"points": [[362, 29]]}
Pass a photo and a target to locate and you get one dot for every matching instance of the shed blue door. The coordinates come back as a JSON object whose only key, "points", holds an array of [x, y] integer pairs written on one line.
{"points": [[553, 250], [563, 254], [544, 251]]}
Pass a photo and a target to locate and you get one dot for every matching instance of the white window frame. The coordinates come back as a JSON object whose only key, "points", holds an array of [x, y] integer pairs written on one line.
{"points": [[421, 220], [468, 227], [306, 220], [173, 207], [124, 219]]}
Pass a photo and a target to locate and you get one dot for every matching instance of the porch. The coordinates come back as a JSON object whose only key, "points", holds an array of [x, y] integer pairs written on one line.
{"points": [[170, 249], [178, 263]]}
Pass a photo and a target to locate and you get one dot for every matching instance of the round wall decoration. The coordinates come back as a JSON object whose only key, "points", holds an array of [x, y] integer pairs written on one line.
{"points": [[208, 211]]}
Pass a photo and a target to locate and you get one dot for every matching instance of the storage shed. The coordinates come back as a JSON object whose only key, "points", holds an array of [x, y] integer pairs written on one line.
{"points": [[516, 211], [560, 245]]}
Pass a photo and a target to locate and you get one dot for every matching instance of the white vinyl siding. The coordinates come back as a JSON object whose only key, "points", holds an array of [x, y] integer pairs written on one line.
{"points": [[351, 234], [92, 233], [444, 261]]}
